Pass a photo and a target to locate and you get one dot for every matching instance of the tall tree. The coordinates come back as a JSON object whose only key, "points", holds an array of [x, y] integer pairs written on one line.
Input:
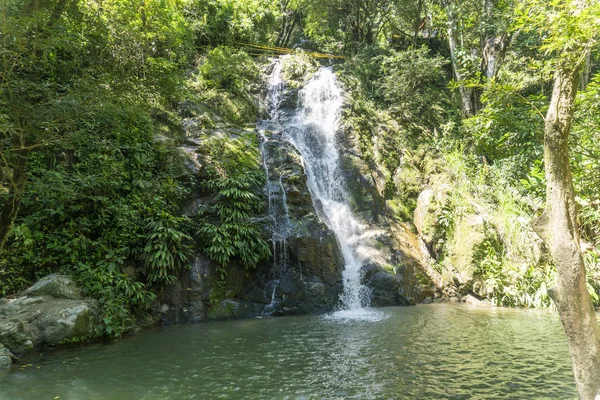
{"points": [[466, 92], [354, 23], [478, 38], [290, 20], [27, 112], [571, 30]]}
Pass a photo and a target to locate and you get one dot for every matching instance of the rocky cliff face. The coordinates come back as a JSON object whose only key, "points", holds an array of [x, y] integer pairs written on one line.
{"points": [[311, 267]]}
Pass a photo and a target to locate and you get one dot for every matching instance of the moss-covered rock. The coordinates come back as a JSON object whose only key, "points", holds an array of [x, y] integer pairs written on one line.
{"points": [[470, 233], [429, 204], [297, 69]]}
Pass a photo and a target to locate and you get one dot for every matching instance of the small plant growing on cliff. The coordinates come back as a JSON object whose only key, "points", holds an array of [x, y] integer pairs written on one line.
{"points": [[233, 234], [225, 228], [165, 250]]}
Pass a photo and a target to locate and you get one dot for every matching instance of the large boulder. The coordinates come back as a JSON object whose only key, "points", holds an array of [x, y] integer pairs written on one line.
{"points": [[49, 312], [384, 286], [422, 215], [54, 285], [5, 363]]}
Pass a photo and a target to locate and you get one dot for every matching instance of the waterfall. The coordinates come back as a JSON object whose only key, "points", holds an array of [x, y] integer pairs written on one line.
{"points": [[313, 130], [314, 136], [277, 200]]}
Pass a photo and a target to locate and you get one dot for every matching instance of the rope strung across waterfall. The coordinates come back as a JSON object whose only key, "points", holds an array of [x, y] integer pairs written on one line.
{"points": [[259, 50]]}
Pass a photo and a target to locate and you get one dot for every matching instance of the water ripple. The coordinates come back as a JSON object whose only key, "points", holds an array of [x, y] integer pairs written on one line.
{"points": [[422, 352]]}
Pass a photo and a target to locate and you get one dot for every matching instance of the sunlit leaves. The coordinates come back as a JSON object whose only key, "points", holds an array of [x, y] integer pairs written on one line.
{"points": [[570, 27]]}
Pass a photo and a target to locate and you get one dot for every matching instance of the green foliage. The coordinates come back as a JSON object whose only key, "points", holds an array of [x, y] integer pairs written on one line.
{"points": [[413, 86], [99, 206], [585, 142], [225, 22], [510, 285], [356, 24], [508, 129], [225, 82], [509, 269], [164, 252], [225, 227], [568, 28], [230, 70], [398, 99], [78, 86], [234, 235]]}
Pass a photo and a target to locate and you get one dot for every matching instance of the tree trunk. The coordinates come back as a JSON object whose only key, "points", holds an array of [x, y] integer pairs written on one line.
{"points": [[559, 228], [466, 94], [587, 70], [417, 22], [494, 49], [288, 36], [15, 193]]}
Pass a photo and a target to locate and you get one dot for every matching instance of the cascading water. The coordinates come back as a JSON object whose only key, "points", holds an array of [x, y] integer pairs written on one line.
{"points": [[277, 206], [312, 131], [314, 135]]}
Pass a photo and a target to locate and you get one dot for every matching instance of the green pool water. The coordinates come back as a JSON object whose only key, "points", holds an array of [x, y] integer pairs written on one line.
{"points": [[424, 352]]}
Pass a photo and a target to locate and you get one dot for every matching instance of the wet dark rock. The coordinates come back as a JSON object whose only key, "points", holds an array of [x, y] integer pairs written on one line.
{"points": [[385, 286], [7, 358], [231, 308], [256, 295], [187, 299], [5, 363]]}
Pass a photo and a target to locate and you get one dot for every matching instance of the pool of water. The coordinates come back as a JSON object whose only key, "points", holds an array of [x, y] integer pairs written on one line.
{"points": [[423, 352]]}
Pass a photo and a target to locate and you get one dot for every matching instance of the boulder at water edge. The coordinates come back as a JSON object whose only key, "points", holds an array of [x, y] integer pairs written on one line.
{"points": [[50, 311], [6, 358]]}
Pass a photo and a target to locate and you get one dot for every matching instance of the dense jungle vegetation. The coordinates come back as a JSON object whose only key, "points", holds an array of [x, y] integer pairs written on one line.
{"points": [[93, 96]]}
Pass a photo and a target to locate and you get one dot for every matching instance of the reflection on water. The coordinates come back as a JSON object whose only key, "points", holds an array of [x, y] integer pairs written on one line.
{"points": [[422, 352]]}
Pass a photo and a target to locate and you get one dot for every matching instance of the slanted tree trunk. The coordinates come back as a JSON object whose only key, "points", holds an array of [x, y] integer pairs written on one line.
{"points": [[559, 228], [417, 22], [288, 24], [493, 44]]}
